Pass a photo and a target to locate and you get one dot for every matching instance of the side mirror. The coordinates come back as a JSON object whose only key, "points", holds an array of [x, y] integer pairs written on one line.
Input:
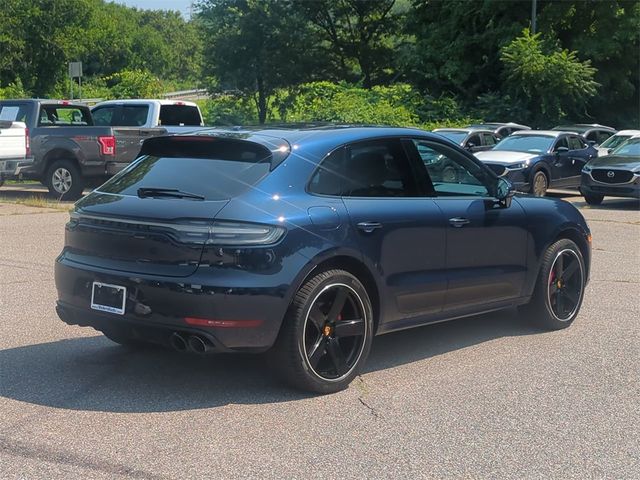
{"points": [[609, 150], [592, 143], [560, 150], [504, 192], [470, 146]]}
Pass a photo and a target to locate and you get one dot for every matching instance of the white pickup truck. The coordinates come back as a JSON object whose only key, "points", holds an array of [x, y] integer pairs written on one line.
{"points": [[15, 153], [172, 115]]}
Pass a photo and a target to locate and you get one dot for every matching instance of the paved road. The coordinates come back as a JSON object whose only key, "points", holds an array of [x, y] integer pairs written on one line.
{"points": [[485, 397]]}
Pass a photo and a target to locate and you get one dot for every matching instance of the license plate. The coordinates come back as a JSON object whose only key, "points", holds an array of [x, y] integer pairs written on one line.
{"points": [[108, 298]]}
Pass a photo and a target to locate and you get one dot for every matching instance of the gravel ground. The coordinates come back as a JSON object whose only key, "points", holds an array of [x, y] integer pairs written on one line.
{"points": [[484, 397]]}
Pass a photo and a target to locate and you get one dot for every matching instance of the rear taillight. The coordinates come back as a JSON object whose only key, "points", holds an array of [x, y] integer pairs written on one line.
{"points": [[27, 142], [107, 145]]}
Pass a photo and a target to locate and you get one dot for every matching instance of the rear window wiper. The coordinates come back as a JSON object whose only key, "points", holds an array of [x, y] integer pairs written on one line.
{"points": [[167, 192]]}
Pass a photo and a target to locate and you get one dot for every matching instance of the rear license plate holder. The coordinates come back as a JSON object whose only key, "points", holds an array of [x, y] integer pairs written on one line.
{"points": [[106, 297]]}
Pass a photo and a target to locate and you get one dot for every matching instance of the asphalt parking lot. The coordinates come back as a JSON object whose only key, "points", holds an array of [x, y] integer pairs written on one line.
{"points": [[483, 397]]}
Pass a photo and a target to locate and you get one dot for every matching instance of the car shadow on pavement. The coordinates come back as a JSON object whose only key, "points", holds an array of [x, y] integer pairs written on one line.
{"points": [[610, 203], [92, 373]]}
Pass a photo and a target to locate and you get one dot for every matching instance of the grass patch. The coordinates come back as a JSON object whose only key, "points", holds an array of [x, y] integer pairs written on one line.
{"points": [[38, 202]]}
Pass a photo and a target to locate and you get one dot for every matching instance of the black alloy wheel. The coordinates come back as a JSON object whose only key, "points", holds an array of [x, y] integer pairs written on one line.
{"points": [[559, 289], [326, 335], [566, 283], [335, 330]]}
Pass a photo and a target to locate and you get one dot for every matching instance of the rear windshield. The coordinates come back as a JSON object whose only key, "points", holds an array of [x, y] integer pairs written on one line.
{"points": [[52, 115], [16, 113], [180, 115], [216, 171]]}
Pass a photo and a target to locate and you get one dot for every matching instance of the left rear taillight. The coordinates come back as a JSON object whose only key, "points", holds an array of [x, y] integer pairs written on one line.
{"points": [[107, 145], [27, 142]]}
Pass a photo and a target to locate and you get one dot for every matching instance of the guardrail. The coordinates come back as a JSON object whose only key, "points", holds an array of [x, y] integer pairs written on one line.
{"points": [[195, 94]]}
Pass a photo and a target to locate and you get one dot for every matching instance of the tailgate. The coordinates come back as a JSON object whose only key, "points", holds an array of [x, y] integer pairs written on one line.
{"points": [[129, 141], [12, 140]]}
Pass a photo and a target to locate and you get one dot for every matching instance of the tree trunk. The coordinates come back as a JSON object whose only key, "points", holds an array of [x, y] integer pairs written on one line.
{"points": [[262, 100]]}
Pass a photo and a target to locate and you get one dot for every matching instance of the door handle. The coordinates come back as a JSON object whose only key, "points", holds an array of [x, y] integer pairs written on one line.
{"points": [[369, 227], [458, 222]]}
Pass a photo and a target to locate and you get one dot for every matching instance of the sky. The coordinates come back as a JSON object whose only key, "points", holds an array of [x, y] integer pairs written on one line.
{"points": [[181, 5]]}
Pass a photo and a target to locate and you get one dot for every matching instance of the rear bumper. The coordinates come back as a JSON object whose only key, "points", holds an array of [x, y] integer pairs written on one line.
{"points": [[14, 167], [247, 308]]}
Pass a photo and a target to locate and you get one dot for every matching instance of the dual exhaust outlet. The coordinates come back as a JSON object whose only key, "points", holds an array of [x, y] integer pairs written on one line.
{"points": [[193, 343]]}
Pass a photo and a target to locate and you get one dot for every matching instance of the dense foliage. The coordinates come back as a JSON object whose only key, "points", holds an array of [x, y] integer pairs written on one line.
{"points": [[409, 62]]}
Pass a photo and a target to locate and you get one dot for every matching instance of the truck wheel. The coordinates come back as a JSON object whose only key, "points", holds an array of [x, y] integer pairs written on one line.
{"points": [[64, 180]]}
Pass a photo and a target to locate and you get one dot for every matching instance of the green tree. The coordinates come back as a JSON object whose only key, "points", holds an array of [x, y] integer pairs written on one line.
{"points": [[134, 84], [553, 83], [256, 46], [361, 35]]}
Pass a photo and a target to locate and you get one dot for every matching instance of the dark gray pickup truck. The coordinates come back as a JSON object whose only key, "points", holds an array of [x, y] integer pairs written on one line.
{"points": [[69, 152]]}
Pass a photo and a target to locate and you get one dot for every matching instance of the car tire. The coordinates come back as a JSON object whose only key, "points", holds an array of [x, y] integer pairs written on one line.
{"points": [[559, 288], [64, 180], [326, 335], [539, 183], [593, 199]]}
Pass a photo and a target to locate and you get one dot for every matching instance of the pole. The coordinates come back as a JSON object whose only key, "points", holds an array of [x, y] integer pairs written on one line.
{"points": [[533, 16]]}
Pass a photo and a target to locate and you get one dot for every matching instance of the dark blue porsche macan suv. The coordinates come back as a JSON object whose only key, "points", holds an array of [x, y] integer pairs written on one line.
{"points": [[308, 242]]}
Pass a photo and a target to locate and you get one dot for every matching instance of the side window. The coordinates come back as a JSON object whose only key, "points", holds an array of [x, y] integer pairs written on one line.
{"points": [[561, 142], [134, 115], [489, 139], [474, 141], [602, 136], [103, 116], [593, 136], [575, 143], [379, 168], [330, 176], [451, 173]]}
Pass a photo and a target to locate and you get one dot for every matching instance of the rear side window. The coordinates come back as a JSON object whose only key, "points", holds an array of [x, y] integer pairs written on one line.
{"points": [[179, 115], [58, 115], [103, 116], [576, 144], [15, 113], [377, 168], [215, 169], [133, 115]]}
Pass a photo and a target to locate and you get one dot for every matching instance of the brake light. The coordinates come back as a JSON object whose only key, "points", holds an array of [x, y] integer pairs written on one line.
{"points": [[27, 142], [206, 322], [107, 145]]}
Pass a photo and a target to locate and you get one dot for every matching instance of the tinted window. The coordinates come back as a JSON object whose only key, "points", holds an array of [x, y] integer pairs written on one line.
{"points": [[452, 173], [592, 136], [369, 169], [562, 142], [180, 115], [133, 115], [488, 139], [576, 144], [329, 178], [103, 116], [216, 170], [602, 136], [474, 141]]}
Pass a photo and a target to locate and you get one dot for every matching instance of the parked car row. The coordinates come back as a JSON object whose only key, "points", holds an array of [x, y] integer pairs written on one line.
{"points": [[563, 157]]}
